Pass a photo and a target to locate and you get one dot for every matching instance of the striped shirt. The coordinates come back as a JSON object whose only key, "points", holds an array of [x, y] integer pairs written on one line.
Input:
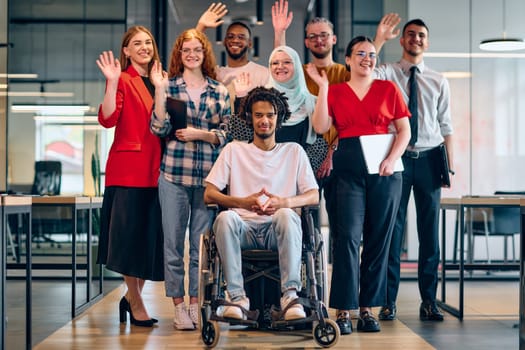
{"points": [[188, 163]]}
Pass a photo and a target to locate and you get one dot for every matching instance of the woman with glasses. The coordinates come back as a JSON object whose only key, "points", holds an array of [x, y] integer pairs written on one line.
{"points": [[189, 153], [286, 75], [366, 202], [130, 232]]}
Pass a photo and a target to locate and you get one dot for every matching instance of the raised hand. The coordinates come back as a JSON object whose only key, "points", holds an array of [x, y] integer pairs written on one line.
{"points": [[320, 79], [386, 30], [158, 77], [109, 66], [281, 18], [212, 17], [242, 84]]}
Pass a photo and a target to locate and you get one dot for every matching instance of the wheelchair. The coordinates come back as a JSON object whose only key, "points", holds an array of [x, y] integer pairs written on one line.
{"points": [[261, 275]]}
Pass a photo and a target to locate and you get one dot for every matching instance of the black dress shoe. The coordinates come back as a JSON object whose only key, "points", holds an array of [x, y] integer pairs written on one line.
{"points": [[367, 323], [344, 323], [388, 313], [124, 308], [428, 311]]}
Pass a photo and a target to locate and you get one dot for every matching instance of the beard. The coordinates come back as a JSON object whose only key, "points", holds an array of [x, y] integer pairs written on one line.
{"points": [[236, 56], [321, 55], [264, 136]]}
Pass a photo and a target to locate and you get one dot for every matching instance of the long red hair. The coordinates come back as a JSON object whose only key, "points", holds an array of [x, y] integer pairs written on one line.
{"points": [[208, 64]]}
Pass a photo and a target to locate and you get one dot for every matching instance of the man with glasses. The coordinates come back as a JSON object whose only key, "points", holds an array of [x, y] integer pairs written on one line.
{"points": [[240, 74], [421, 160]]}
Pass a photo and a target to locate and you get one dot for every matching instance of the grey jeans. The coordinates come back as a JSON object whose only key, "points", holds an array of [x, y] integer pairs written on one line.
{"points": [[283, 233], [180, 204]]}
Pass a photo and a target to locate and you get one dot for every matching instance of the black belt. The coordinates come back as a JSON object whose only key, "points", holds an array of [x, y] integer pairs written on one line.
{"points": [[419, 154]]}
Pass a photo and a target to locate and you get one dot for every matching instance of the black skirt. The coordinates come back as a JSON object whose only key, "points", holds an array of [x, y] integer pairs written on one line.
{"points": [[131, 239]]}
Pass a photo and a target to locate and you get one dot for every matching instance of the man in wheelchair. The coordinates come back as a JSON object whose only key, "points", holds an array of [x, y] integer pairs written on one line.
{"points": [[265, 181]]}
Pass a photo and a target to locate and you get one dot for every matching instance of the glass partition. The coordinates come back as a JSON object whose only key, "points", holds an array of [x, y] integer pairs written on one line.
{"points": [[52, 111]]}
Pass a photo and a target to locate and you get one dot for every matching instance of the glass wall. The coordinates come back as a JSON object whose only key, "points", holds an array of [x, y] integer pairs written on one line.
{"points": [[487, 89], [4, 47], [55, 47], [59, 45]]}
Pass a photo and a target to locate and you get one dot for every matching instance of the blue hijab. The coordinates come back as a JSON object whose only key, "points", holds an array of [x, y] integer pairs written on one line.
{"points": [[300, 100]]}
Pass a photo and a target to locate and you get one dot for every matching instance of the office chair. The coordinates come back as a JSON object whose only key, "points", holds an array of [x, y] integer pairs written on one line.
{"points": [[499, 221], [48, 178], [47, 181]]}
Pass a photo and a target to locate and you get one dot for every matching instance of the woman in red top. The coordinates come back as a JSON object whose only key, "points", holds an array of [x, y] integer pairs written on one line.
{"points": [[131, 240], [366, 203]]}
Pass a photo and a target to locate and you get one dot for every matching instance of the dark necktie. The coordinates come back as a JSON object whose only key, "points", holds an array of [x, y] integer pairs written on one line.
{"points": [[412, 104]]}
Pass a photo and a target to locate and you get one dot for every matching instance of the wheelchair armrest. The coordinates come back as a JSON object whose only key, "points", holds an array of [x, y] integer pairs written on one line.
{"points": [[307, 209], [212, 206]]}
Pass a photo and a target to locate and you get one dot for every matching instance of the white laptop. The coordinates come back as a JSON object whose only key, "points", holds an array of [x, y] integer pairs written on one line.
{"points": [[375, 149]]}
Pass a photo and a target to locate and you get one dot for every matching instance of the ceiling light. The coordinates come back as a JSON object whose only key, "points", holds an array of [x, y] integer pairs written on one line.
{"points": [[73, 119], [457, 75], [467, 55], [260, 12], [503, 43], [18, 76], [34, 93], [255, 48], [57, 109], [218, 34]]}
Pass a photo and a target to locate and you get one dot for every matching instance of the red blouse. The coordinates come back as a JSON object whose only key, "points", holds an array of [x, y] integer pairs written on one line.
{"points": [[353, 117]]}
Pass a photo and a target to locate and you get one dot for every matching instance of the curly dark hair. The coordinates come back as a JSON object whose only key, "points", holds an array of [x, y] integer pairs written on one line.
{"points": [[277, 99]]}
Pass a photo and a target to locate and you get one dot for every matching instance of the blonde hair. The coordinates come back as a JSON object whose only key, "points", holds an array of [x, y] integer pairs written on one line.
{"points": [[130, 33]]}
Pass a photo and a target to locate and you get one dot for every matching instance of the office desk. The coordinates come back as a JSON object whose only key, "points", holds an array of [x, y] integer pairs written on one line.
{"points": [[75, 207], [460, 205], [21, 207]]}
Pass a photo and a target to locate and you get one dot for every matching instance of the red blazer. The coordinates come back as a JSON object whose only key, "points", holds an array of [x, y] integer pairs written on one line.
{"points": [[134, 157]]}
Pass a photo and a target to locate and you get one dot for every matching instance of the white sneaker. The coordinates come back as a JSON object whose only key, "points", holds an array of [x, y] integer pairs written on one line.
{"points": [[182, 320], [193, 312], [295, 311], [234, 311]]}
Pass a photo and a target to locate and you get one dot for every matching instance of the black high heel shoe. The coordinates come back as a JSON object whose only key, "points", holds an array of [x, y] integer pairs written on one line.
{"points": [[125, 307]]}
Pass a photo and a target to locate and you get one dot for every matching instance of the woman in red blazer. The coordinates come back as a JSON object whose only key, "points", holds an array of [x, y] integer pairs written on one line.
{"points": [[131, 240]]}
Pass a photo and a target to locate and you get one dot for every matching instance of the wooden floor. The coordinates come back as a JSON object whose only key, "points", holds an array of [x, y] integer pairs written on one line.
{"points": [[99, 329], [491, 316]]}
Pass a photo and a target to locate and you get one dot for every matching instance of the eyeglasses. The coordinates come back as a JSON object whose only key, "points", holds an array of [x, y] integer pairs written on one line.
{"points": [[284, 63], [323, 36], [187, 51], [231, 36], [363, 54]]}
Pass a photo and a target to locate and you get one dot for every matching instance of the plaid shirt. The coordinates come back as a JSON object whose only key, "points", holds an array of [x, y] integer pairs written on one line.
{"points": [[188, 163]]}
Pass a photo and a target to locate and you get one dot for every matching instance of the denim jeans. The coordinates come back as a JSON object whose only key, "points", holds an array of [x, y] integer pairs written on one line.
{"points": [[283, 233], [180, 204]]}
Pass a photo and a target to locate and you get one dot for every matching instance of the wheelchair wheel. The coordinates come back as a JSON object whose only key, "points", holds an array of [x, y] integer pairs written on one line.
{"points": [[327, 335], [204, 275], [210, 333]]}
